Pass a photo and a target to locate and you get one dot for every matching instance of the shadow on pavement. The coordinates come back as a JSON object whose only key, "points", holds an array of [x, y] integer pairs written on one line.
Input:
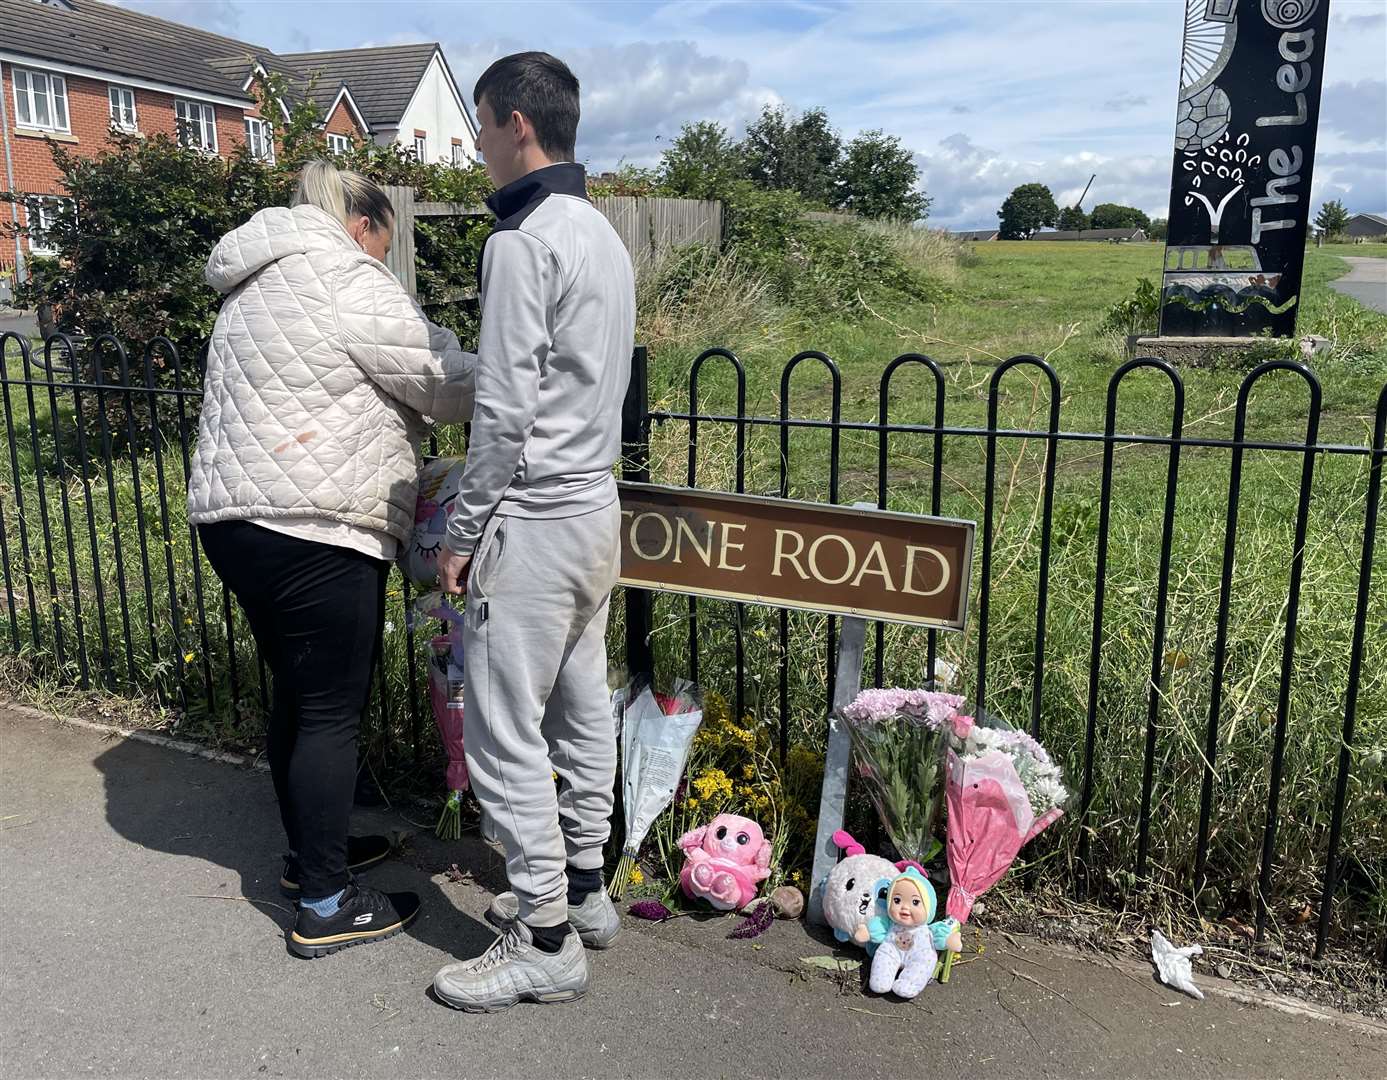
{"points": [[228, 817]]}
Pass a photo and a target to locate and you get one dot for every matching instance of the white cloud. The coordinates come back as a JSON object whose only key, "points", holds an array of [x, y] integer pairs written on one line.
{"points": [[969, 182], [635, 97]]}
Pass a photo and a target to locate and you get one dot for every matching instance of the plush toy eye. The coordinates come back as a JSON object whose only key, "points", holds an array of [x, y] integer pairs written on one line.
{"points": [[915, 902], [895, 899], [743, 839], [850, 884], [881, 893], [722, 832]]}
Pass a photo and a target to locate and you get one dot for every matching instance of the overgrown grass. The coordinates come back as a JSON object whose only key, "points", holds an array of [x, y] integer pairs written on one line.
{"points": [[1001, 299]]}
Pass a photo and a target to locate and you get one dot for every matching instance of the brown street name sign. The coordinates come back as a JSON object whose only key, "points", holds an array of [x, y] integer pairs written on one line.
{"points": [[873, 564]]}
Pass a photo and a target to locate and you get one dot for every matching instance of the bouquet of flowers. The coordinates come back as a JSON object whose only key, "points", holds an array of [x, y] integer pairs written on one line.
{"points": [[446, 698], [656, 733], [1002, 791], [898, 740]]}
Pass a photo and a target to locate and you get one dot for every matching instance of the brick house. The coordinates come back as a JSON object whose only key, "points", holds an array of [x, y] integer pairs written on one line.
{"points": [[70, 70]]}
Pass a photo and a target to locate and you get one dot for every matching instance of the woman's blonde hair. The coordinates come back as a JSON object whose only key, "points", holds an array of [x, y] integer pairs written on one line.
{"points": [[344, 194]]}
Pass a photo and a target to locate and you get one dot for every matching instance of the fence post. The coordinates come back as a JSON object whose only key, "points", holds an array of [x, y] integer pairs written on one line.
{"points": [[635, 467], [400, 258]]}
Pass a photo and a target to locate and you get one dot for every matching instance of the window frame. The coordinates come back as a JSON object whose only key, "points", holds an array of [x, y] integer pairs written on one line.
{"points": [[459, 154], [52, 83], [204, 109], [267, 136], [421, 148], [112, 91], [338, 144], [35, 210]]}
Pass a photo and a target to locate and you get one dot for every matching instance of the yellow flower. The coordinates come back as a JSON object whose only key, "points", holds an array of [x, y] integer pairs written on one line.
{"points": [[187, 658], [693, 804], [748, 772], [636, 876], [713, 782]]}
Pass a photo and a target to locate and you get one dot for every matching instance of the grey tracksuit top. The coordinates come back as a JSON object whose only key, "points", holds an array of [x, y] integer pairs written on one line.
{"points": [[553, 358]]}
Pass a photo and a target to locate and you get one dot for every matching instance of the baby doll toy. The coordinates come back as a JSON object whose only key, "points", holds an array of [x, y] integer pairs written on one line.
{"points": [[907, 957], [850, 893], [725, 862]]}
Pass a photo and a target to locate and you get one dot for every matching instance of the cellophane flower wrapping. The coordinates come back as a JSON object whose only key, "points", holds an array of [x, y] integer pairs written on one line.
{"points": [[656, 733], [898, 740], [446, 693], [1003, 789]]}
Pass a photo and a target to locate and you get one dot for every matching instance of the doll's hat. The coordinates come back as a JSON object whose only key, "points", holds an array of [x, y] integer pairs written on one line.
{"points": [[921, 883]]}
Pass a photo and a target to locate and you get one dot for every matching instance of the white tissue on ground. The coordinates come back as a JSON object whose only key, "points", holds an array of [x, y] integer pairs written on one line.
{"points": [[1173, 965]]}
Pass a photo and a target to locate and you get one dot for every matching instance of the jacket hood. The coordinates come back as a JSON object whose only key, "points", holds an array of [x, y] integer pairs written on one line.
{"points": [[273, 234]]}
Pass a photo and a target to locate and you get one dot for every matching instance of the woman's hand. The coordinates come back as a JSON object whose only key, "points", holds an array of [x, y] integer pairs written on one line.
{"points": [[452, 572]]}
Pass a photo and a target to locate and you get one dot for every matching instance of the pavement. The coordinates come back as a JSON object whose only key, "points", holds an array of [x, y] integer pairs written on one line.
{"points": [[18, 322], [129, 949], [1366, 282]]}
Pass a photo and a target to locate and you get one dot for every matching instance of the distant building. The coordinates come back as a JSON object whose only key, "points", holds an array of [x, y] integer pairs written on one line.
{"points": [[406, 94], [72, 70], [1367, 227], [976, 234], [1120, 236]]}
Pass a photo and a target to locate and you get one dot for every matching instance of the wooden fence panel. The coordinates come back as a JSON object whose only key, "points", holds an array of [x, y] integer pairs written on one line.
{"points": [[646, 226], [400, 258]]}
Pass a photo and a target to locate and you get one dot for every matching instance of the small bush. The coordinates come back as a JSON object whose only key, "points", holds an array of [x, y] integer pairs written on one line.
{"points": [[1140, 313]]}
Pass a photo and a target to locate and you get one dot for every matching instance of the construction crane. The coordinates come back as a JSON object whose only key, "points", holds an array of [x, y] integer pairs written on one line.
{"points": [[1080, 202]]}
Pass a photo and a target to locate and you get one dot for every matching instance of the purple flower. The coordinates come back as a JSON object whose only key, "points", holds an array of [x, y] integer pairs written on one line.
{"points": [[756, 923], [651, 910], [926, 707]]}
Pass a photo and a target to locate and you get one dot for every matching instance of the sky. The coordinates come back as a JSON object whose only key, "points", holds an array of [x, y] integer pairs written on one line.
{"points": [[987, 94]]}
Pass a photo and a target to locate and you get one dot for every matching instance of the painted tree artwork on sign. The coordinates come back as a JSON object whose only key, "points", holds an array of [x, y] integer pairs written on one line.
{"points": [[1250, 76]]}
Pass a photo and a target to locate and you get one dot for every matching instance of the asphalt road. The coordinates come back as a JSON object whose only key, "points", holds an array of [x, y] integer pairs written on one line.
{"points": [[125, 950], [1366, 282]]}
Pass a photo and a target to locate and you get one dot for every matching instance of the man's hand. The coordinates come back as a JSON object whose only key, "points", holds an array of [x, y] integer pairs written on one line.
{"points": [[452, 572]]}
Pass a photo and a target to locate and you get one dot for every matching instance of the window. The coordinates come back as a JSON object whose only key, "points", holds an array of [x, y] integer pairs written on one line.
{"points": [[43, 214], [338, 144], [41, 100], [197, 124], [260, 139], [421, 148], [123, 108], [459, 154]]}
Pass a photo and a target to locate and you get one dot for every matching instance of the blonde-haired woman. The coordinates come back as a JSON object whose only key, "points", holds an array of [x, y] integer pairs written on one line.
{"points": [[320, 374]]}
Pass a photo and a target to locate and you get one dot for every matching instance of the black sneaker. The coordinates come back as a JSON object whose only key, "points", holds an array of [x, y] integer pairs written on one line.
{"points": [[365, 914], [363, 852]]}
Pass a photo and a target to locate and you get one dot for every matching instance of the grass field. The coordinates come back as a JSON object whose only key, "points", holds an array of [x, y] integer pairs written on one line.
{"points": [[1010, 298], [1002, 299]]}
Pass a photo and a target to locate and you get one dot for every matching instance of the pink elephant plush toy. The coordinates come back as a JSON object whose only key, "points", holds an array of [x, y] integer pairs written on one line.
{"points": [[725, 863]]}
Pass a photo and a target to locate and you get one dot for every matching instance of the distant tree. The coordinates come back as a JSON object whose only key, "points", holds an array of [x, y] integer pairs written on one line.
{"points": [[702, 163], [1332, 218], [1027, 210], [1115, 216], [1073, 217], [783, 152], [878, 178], [1160, 229]]}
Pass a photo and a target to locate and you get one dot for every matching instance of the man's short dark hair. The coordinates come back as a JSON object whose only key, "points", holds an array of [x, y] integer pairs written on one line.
{"points": [[542, 89]]}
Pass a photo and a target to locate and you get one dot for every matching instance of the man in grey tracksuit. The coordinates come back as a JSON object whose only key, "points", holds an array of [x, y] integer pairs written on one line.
{"points": [[534, 536]]}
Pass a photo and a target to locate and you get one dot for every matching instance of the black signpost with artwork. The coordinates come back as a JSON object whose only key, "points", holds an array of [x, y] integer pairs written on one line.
{"points": [[1250, 78]]}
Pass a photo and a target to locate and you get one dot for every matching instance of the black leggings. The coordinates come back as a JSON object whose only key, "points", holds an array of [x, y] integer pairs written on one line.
{"points": [[316, 612]]}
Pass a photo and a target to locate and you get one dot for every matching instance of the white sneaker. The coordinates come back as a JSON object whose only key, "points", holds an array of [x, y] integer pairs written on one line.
{"points": [[513, 970], [595, 920]]}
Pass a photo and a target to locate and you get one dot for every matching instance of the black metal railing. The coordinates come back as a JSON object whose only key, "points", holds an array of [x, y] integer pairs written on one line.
{"points": [[106, 586]]}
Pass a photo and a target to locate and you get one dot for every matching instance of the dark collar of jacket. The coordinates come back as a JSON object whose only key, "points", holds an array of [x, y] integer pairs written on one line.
{"points": [[513, 202]]}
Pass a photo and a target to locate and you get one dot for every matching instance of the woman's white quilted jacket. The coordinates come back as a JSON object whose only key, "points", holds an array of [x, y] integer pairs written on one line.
{"points": [[319, 375]]}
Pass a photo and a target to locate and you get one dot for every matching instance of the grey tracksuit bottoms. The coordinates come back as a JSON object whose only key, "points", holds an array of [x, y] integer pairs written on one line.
{"points": [[535, 659]]}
